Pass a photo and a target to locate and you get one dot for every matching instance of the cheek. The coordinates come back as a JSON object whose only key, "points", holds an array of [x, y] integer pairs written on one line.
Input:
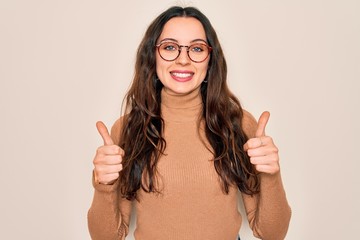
{"points": [[204, 69], [160, 66]]}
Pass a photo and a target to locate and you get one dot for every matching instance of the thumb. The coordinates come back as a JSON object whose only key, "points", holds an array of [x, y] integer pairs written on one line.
{"points": [[104, 133], [263, 119]]}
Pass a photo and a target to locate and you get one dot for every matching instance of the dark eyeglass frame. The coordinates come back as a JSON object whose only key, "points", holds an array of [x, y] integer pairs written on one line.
{"points": [[187, 51]]}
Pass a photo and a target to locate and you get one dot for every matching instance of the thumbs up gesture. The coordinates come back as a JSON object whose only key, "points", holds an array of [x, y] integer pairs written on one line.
{"points": [[262, 151], [107, 161]]}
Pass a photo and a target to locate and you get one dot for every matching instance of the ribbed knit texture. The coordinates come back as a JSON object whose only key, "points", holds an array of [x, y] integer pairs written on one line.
{"points": [[192, 205]]}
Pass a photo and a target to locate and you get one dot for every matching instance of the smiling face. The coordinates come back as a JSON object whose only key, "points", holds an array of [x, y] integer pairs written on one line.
{"points": [[182, 76]]}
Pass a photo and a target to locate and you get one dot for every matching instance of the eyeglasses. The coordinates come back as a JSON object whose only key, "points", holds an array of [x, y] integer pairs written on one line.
{"points": [[197, 52]]}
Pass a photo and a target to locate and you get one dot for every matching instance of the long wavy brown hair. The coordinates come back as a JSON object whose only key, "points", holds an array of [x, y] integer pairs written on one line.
{"points": [[141, 135]]}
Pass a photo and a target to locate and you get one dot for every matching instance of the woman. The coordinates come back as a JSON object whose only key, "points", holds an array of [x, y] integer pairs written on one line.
{"points": [[185, 147]]}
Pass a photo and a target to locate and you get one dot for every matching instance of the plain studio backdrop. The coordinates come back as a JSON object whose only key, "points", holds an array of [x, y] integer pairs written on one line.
{"points": [[66, 64]]}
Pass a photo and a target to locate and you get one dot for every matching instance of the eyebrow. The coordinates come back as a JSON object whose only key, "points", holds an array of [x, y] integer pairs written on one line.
{"points": [[174, 40]]}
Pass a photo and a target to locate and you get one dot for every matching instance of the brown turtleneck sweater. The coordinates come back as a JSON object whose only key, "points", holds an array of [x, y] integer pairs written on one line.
{"points": [[192, 205]]}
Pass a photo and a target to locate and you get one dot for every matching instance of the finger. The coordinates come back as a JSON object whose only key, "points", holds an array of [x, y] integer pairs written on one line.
{"points": [[262, 151], [264, 160], [110, 150], [108, 160], [108, 178], [264, 118], [104, 133], [270, 169], [108, 169], [258, 142], [253, 143]]}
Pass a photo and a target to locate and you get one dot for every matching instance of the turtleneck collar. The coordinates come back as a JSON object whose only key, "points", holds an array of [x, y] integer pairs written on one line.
{"points": [[181, 108]]}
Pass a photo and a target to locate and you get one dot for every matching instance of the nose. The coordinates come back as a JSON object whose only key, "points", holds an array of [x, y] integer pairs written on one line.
{"points": [[183, 58]]}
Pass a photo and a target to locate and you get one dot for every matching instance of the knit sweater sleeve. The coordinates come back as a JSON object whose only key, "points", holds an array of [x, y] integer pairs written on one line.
{"points": [[268, 212], [109, 214]]}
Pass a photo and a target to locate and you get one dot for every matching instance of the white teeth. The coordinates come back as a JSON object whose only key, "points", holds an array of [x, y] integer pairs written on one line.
{"points": [[181, 75]]}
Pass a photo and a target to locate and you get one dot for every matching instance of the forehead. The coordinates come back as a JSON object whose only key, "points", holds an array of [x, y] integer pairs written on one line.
{"points": [[183, 29]]}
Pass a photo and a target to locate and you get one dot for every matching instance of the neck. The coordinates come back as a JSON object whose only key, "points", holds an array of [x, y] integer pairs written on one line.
{"points": [[181, 108]]}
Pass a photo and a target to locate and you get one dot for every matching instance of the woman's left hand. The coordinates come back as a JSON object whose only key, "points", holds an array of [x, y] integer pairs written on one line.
{"points": [[261, 149]]}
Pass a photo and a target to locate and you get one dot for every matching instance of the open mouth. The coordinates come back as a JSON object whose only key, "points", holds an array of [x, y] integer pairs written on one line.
{"points": [[181, 76]]}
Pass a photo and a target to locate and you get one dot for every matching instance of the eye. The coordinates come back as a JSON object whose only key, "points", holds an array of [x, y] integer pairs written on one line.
{"points": [[169, 47], [197, 48]]}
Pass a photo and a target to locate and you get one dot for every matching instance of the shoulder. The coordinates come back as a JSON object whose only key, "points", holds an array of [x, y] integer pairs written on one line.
{"points": [[249, 124], [116, 130]]}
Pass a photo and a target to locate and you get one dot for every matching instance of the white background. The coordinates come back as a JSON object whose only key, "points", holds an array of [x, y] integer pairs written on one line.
{"points": [[66, 64]]}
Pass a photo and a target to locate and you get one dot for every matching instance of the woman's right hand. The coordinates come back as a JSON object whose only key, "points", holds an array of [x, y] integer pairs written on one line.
{"points": [[108, 158]]}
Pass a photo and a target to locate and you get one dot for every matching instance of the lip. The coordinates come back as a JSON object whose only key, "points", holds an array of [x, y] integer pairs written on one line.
{"points": [[182, 75]]}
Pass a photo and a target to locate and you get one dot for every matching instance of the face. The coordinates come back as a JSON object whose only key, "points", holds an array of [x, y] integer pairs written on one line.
{"points": [[182, 76]]}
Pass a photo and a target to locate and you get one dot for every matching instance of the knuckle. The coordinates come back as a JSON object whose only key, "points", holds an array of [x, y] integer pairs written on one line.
{"points": [[122, 152], [99, 169], [268, 139], [104, 180], [96, 160], [115, 148], [275, 170], [118, 168], [99, 149], [276, 150]]}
